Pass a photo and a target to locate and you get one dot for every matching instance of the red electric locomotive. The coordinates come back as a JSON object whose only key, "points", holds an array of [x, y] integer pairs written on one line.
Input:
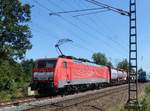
{"points": [[59, 73]]}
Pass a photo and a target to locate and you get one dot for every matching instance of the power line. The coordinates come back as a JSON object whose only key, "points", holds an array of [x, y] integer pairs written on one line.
{"points": [[109, 37], [88, 17], [57, 38], [66, 21], [90, 13], [120, 11], [60, 16], [42, 6], [107, 28], [85, 31], [81, 10], [98, 32]]}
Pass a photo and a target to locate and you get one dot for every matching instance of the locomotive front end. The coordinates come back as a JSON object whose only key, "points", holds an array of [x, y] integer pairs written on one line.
{"points": [[43, 75]]}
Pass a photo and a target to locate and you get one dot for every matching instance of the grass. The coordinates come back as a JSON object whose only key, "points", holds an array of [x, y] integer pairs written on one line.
{"points": [[18, 92], [146, 100]]}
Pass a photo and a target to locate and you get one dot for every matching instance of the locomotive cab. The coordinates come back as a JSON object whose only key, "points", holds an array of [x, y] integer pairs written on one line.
{"points": [[43, 74]]}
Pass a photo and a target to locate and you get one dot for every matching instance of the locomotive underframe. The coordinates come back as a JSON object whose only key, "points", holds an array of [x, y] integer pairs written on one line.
{"points": [[48, 88]]}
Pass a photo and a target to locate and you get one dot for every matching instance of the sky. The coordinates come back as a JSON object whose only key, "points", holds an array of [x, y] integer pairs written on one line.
{"points": [[106, 32]]}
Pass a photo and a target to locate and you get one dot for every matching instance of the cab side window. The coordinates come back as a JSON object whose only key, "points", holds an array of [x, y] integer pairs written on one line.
{"points": [[65, 65]]}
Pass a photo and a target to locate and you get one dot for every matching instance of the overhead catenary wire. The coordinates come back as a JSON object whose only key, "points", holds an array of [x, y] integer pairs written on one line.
{"points": [[77, 45], [104, 42], [68, 21], [38, 28], [108, 36], [98, 32], [107, 28], [98, 3], [42, 6], [108, 8], [71, 11], [90, 13], [120, 45]]}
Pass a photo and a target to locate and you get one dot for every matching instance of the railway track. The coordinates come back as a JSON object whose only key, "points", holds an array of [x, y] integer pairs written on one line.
{"points": [[14, 104], [60, 103], [16, 101], [80, 99], [75, 104], [32, 102]]}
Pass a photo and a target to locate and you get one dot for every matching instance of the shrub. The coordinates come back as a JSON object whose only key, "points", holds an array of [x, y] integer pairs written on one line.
{"points": [[13, 80], [147, 89], [146, 101]]}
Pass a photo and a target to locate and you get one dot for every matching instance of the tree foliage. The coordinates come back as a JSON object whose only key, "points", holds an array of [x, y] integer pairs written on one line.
{"points": [[101, 59], [15, 37], [145, 102], [123, 65], [14, 32], [27, 66], [14, 78], [11, 79], [109, 63]]}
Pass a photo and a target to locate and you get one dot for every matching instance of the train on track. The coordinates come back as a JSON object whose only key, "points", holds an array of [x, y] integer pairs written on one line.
{"points": [[143, 76], [67, 73]]}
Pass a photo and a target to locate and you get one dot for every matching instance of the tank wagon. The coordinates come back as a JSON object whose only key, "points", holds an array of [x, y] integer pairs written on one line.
{"points": [[67, 73]]}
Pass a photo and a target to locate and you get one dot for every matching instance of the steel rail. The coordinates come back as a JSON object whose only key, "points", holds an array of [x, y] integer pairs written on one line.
{"points": [[63, 104]]}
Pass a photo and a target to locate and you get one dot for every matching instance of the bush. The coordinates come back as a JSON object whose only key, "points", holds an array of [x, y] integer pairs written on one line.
{"points": [[14, 80], [147, 89], [146, 101], [5, 96]]}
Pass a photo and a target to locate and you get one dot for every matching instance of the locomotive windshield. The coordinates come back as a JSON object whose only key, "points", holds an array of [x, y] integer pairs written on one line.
{"points": [[46, 63]]}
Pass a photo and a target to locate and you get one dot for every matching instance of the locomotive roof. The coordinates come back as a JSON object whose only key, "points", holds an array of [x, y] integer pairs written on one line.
{"points": [[46, 59], [82, 61], [76, 60], [79, 61]]}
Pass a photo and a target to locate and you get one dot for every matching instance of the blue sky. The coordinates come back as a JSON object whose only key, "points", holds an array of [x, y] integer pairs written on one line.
{"points": [[105, 32]]}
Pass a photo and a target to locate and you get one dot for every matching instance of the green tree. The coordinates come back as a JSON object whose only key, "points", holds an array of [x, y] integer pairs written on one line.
{"points": [[27, 66], [123, 65], [109, 63], [15, 34], [15, 37], [100, 58], [11, 79]]}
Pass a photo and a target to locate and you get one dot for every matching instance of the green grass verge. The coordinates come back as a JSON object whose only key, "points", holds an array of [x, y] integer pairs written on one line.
{"points": [[146, 101]]}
